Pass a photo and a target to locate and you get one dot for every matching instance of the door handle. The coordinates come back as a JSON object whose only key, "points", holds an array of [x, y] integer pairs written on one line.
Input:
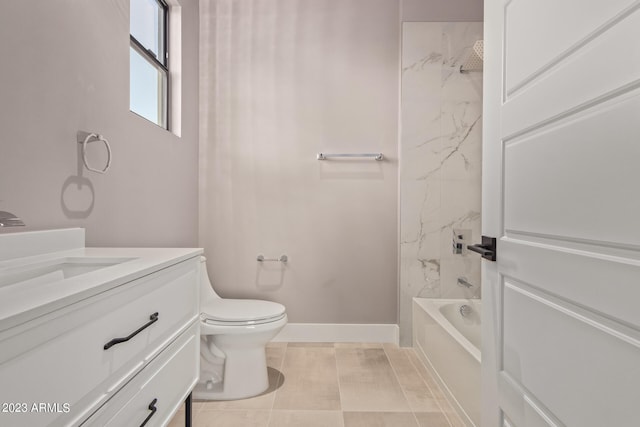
{"points": [[152, 319], [487, 248]]}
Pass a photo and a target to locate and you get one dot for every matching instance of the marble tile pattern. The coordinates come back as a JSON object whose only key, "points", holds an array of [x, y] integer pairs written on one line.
{"points": [[335, 385], [440, 163]]}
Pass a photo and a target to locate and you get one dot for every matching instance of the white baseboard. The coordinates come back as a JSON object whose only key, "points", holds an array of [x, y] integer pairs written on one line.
{"points": [[338, 332]]}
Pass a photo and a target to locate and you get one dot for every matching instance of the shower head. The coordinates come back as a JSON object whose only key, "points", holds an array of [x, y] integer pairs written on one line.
{"points": [[475, 59]]}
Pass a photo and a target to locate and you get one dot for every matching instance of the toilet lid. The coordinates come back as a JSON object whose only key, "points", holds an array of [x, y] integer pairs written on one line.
{"points": [[234, 311]]}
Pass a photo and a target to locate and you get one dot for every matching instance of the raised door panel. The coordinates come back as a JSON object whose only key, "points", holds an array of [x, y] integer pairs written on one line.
{"points": [[594, 281], [566, 358], [542, 33], [565, 180], [577, 82]]}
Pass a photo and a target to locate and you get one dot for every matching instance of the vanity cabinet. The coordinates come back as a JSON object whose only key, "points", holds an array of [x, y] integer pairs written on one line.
{"points": [[125, 356]]}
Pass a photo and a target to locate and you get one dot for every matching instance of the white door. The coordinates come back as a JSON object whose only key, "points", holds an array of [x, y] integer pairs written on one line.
{"points": [[561, 192]]}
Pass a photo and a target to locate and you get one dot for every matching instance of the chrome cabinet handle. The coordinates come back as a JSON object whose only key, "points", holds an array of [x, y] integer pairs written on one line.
{"points": [[152, 319], [153, 409]]}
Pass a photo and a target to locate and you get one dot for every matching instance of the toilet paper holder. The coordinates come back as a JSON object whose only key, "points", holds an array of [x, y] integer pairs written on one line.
{"points": [[261, 258]]}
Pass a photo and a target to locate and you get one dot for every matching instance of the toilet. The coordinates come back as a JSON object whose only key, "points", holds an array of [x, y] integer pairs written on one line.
{"points": [[233, 337]]}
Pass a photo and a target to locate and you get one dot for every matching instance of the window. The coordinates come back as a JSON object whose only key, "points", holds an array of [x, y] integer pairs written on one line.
{"points": [[149, 74]]}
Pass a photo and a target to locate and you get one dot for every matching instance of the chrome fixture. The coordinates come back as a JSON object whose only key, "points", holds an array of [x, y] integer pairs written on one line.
{"points": [[7, 219], [95, 137], [462, 281], [465, 310], [475, 59], [376, 156], [283, 258], [460, 236]]}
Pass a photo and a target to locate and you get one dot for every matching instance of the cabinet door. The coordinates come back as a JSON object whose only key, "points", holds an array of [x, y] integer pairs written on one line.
{"points": [[158, 390], [63, 359]]}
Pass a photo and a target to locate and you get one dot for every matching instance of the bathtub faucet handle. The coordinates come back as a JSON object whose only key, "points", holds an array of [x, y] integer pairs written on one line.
{"points": [[465, 310]]}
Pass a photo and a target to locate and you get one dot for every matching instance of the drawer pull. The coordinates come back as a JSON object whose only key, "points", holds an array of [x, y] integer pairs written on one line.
{"points": [[152, 319], [153, 409]]}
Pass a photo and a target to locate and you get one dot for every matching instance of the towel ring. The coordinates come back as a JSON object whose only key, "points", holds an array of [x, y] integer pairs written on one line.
{"points": [[97, 137]]}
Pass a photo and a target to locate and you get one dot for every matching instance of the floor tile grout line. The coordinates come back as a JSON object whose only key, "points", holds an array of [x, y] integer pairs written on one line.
{"points": [[404, 393], [196, 407], [335, 357], [429, 387], [278, 380]]}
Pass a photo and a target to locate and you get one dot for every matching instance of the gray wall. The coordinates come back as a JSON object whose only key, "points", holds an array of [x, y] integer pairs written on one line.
{"points": [[442, 10], [283, 80], [65, 68]]}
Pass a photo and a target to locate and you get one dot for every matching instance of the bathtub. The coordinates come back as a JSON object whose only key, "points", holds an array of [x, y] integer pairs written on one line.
{"points": [[449, 344]]}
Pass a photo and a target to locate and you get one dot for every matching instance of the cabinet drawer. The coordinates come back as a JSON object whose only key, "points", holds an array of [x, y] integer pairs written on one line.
{"points": [[66, 360], [166, 381]]}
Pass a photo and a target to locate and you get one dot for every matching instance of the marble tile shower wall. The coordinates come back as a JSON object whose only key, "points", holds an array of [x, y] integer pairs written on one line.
{"points": [[440, 163]]}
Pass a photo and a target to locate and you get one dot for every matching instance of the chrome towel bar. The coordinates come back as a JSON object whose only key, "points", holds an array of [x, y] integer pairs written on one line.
{"points": [[376, 156]]}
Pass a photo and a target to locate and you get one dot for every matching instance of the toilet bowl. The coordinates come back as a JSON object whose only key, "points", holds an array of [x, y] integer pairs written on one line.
{"points": [[233, 336]]}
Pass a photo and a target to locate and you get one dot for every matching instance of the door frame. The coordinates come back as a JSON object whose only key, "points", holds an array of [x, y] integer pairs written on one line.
{"points": [[492, 221]]}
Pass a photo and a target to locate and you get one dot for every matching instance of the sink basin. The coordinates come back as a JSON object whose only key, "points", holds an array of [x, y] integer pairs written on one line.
{"points": [[54, 270]]}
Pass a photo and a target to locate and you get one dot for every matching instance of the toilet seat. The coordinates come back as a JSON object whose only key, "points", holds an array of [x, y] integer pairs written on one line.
{"points": [[241, 312]]}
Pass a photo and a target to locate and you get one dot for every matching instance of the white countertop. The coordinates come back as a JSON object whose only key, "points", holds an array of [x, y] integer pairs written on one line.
{"points": [[22, 302]]}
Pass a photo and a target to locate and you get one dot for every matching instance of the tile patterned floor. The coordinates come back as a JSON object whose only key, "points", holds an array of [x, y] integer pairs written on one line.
{"points": [[336, 384]]}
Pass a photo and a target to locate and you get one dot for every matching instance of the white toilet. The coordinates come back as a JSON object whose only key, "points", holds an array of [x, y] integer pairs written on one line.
{"points": [[234, 333]]}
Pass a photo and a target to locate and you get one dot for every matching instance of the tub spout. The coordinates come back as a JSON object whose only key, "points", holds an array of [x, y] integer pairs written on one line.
{"points": [[462, 281]]}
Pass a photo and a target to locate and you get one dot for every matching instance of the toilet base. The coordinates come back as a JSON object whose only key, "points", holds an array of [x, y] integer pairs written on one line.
{"points": [[245, 375]]}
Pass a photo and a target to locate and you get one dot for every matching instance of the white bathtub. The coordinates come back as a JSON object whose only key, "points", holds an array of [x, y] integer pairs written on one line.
{"points": [[449, 344]]}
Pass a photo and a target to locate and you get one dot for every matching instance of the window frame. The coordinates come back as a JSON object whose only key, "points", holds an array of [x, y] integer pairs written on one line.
{"points": [[161, 66]]}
